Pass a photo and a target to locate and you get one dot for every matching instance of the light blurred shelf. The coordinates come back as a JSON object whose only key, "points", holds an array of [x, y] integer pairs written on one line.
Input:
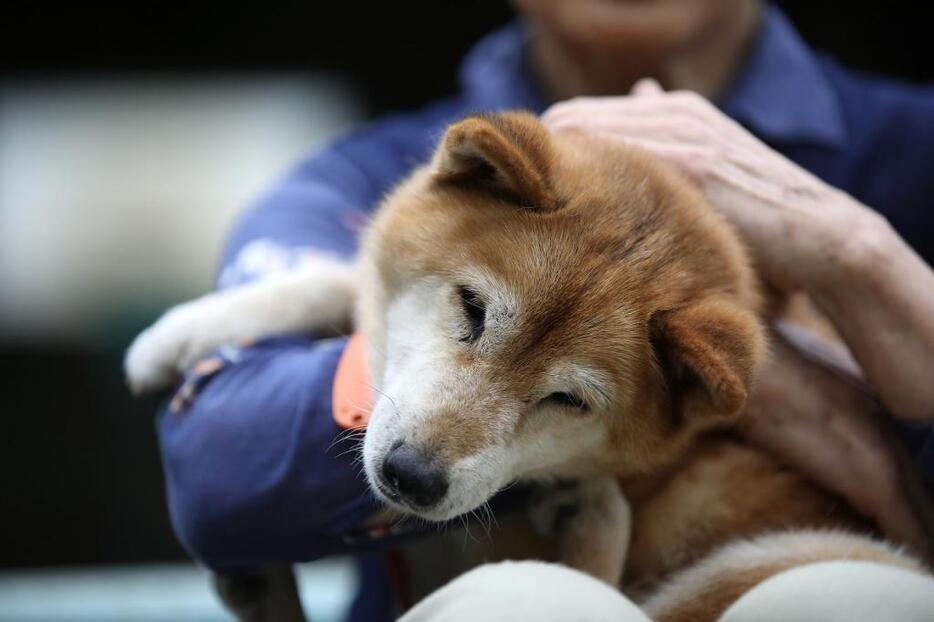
{"points": [[117, 194], [157, 593]]}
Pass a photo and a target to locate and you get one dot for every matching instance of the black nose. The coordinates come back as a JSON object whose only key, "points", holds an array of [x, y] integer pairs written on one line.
{"points": [[413, 477]]}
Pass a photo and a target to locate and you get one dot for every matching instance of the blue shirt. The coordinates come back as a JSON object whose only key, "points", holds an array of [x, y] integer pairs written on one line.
{"points": [[254, 473]]}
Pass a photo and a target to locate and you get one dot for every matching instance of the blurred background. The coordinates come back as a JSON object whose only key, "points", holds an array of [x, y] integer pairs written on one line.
{"points": [[130, 136]]}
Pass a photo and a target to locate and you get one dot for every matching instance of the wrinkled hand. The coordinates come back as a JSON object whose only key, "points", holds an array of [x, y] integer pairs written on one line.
{"points": [[795, 224], [818, 417]]}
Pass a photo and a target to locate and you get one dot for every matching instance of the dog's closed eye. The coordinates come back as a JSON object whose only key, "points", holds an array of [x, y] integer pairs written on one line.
{"points": [[475, 311], [567, 400]]}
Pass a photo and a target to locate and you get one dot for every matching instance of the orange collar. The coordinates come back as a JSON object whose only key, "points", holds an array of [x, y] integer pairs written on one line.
{"points": [[352, 399]]}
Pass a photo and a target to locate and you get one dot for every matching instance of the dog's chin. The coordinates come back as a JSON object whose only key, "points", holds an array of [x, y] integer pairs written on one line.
{"points": [[446, 510]]}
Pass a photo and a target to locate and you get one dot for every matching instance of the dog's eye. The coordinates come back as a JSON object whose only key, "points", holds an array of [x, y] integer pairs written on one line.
{"points": [[475, 311], [568, 400]]}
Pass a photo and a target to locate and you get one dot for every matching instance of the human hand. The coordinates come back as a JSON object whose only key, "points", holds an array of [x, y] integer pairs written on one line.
{"points": [[798, 228], [803, 233]]}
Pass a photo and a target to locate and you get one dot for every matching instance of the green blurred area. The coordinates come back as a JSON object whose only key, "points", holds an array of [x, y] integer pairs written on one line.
{"points": [[83, 476]]}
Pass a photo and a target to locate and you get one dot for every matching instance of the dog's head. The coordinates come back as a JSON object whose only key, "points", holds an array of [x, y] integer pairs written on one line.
{"points": [[546, 306]]}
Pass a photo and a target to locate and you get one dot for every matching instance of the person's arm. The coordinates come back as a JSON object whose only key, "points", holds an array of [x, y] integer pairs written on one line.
{"points": [[808, 408], [882, 303], [803, 233], [256, 469], [253, 471]]}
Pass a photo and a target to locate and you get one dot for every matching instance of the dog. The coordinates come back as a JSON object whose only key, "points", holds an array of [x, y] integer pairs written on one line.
{"points": [[543, 307]]}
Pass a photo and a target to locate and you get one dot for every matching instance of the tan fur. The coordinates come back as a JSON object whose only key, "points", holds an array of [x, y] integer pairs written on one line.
{"points": [[703, 592], [721, 490]]}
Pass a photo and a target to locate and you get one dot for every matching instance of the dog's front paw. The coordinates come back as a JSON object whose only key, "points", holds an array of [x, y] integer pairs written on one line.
{"points": [[592, 522], [159, 354], [553, 506]]}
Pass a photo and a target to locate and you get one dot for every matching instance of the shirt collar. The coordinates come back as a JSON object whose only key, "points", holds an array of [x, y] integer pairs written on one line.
{"points": [[496, 74], [780, 92]]}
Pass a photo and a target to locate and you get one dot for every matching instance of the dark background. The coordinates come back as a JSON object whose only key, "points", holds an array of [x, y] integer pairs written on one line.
{"points": [[400, 53], [81, 475]]}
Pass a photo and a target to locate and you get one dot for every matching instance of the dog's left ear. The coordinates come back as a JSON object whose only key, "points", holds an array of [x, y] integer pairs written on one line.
{"points": [[508, 153], [708, 351]]}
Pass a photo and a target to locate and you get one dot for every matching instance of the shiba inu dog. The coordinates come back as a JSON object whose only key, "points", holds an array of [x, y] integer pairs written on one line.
{"points": [[541, 307]]}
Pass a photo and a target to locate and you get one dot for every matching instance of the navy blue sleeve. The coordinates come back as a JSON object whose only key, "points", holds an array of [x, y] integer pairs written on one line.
{"points": [[886, 162], [255, 471], [321, 207]]}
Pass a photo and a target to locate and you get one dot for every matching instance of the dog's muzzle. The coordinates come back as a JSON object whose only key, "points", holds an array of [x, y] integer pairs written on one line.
{"points": [[410, 476]]}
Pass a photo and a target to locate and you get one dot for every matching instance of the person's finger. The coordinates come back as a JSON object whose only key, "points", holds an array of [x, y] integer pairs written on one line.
{"points": [[681, 128], [641, 115], [582, 109], [665, 104], [587, 107], [691, 159], [646, 86], [574, 107]]}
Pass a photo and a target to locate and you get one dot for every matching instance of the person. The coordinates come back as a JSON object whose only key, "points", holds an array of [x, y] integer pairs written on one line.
{"points": [[256, 469]]}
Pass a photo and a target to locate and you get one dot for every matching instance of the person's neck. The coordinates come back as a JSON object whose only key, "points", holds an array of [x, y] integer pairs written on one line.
{"points": [[707, 66]]}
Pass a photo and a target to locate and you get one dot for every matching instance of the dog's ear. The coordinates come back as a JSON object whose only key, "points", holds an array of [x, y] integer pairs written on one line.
{"points": [[507, 153], [708, 351]]}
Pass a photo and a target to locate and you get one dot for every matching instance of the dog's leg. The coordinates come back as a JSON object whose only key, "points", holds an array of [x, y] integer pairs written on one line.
{"points": [[314, 298], [592, 521], [267, 595]]}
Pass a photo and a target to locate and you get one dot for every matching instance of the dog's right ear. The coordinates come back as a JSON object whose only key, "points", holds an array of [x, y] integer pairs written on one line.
{"points": [[508, 153], [708, 352]]}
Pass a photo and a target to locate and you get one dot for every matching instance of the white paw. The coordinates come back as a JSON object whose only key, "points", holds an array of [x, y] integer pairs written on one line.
{"points": [[158, 355], [316, 297], [592, 522], [553, 506]]}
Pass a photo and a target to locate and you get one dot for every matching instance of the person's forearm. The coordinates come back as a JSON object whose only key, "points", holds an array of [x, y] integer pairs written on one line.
{"points": [[819, 420], [882, 303]]}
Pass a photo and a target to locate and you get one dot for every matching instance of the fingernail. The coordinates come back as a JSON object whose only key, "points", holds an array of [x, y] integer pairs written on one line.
{"points": [[647, 86]]}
